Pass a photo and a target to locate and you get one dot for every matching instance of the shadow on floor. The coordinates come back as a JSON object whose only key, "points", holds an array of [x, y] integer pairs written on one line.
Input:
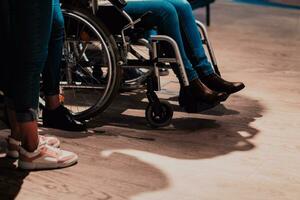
{"points": [[215, 132], [11, 179], [220, 131]]}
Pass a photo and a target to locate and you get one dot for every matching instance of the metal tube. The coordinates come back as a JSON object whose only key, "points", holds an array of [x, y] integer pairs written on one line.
{"points": [[125, 14], [156, 38], [146, 44], [94, 6], [203, 31], [156, 70]]}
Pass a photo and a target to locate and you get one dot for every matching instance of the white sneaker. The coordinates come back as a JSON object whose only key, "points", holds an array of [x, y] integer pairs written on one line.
{"points": [[14, 145], [46, 157], [50, 140]]}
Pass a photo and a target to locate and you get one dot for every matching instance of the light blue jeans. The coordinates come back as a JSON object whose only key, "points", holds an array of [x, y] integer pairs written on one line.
{"points": [[175, 19]]}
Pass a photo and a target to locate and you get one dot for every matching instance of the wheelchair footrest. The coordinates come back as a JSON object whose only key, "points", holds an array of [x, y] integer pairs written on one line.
{"points": [[198, 107], [191, 105]]}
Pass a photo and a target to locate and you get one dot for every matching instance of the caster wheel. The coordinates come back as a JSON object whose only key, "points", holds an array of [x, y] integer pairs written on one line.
{"points": [[160, 114]]}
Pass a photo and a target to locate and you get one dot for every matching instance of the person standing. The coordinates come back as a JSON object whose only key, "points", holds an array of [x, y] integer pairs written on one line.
{"points": [[30, 29]]}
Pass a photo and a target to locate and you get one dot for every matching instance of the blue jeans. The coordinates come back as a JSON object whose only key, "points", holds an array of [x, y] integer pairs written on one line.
{"points": [[175, 18], [51, 73], [36, 45]]}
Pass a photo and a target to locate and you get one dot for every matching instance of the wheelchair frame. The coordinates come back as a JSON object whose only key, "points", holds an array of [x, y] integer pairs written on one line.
{"points": [[158, 113]]}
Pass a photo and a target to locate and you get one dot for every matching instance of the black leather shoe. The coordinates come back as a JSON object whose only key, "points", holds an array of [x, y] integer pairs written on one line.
{"points": [[197, 97], [61, 118], [190, 105], [204, 94], [132, 73], [216, 83]]}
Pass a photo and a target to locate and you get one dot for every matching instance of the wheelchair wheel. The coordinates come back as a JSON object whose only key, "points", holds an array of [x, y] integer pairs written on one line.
{"points": [[90, 75], [159, 114]]}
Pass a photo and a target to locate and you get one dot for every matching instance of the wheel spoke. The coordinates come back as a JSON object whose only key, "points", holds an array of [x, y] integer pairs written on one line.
{"points": [[87, 78]]}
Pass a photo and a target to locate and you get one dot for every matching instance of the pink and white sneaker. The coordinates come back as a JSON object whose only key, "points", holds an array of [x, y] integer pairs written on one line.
{"points": [[46, 157], [14, 145], [50, 140]]}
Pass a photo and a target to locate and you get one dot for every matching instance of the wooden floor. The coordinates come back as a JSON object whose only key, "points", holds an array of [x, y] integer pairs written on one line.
{"points": [[248, 148]]}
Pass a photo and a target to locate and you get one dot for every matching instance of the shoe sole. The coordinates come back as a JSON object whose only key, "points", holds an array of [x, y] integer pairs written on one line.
{"points": [[44, 166], [224, 98]]}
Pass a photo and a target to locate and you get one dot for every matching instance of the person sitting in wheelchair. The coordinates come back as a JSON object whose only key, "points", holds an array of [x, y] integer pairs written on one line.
{"points": [[175, 18]]}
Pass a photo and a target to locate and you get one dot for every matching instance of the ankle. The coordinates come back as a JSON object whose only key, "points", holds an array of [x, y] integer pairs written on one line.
{"points": [[194, 81], [52, 102], [31, 142], [30, 147], [52, 106], [198, 86]]}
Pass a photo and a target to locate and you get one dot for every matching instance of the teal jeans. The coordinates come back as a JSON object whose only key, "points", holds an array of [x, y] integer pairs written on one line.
{"points": [[175, 19], [36, 39]]}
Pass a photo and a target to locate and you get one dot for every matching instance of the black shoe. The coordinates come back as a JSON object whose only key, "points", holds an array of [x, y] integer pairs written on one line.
{"points": [[132, 73], [216, 83], [191, 105], [202, 93], [197, 97], [133, 79], [61, 118]]}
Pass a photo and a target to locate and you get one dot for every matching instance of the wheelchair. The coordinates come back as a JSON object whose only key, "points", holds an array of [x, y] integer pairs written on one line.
{"points": [[100, 43]]}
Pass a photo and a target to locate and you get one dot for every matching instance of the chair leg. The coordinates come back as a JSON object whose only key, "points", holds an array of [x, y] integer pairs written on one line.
{"points": [[208, 15], [207, 42]]}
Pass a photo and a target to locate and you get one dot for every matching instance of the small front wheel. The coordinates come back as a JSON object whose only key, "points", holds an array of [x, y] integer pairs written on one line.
{"points": [[159, 114]]}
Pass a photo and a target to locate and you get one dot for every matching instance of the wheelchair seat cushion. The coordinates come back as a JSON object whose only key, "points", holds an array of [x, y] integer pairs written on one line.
{"points": [[115, 21]]}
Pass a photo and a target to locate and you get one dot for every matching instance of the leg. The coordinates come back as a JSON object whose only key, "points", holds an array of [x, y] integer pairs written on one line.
{"points": [[5, 35], [168, 24], [30, 27], [194, 45], [193, 42], [56, 115], [51, 72], [165, 13]]}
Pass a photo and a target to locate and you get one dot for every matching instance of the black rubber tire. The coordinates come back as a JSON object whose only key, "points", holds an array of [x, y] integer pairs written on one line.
{"points": [[164, 117], [100, 106]]}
